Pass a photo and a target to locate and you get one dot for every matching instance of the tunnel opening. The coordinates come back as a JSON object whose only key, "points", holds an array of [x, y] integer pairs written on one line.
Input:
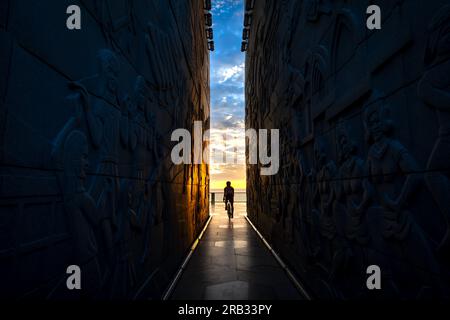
{"points": [[229, 259], [227, 134]]}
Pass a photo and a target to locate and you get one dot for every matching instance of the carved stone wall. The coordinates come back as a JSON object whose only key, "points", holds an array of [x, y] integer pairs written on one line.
{"points": [[86, 118], [364, 141]]}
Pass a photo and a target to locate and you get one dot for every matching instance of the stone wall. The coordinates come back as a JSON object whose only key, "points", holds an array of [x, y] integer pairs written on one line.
{"points": [[86, 118], [364, 141]]}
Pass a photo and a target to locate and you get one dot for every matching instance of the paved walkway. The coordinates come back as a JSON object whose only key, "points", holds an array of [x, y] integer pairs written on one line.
{"points": [[232, 263]]}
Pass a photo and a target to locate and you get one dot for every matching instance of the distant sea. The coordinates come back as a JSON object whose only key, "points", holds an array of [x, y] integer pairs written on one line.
{"points": [[239, 195]]}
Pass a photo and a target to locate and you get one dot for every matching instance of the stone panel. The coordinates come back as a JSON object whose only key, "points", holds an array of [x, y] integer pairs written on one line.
{"points": [[86, 119], [364, 136]]}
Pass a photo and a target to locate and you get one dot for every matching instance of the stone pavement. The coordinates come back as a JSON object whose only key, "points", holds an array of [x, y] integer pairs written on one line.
{"points": [[231, 263]]}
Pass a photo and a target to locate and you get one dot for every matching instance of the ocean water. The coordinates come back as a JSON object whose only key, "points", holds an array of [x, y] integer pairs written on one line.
{"points": [[239, 195]]}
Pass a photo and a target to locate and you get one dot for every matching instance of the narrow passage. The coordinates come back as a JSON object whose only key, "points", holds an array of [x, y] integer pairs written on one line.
{"points": [[232, 263]]}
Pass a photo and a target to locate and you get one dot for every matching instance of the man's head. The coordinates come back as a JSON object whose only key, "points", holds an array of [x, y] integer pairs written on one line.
{"points": [[377, 122], [228, 184]]}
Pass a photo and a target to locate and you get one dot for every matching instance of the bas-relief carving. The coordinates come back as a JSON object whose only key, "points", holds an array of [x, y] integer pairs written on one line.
{"points": [[433, 89], [359, 210], [315, 91], [118, 213], [113, 219], [106, 123], [332, 245], [119, 25], [163, 56], [348, 32], [350, 186], [106, 128], [347, 60], [393, 178], [124, 208], [70, 156], [141, 130]]}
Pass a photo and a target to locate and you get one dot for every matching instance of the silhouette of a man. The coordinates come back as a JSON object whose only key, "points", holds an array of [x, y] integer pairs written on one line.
{"points": [[228, 194]]}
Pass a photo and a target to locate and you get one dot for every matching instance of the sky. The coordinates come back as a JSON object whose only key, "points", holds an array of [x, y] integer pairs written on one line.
{"points": [[227, 96]]}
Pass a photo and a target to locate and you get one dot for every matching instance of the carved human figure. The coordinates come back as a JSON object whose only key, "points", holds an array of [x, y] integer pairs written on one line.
{"points": [[388, 163], [140, 135], [289, 186], [335, 249], [70, 155], [350, 187], [147, 198], [300, 206], [434, 90], [387, 160], [326, 171], [128, 225], [351, 223], [107, 125]]}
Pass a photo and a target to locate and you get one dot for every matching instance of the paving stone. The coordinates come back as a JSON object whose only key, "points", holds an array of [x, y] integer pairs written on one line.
{"points": [[236, 267]]}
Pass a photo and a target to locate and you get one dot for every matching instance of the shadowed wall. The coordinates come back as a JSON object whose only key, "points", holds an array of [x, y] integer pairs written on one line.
{"points": [[364, 142], [85, 123]]}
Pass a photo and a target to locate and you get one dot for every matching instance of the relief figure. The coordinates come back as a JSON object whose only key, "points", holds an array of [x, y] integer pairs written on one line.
{"points": [[393, 178], [434, 90], [70, 155], [105, 118]]}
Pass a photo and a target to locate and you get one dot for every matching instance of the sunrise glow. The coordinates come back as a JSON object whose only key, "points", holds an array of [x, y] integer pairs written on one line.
{"points": [[227, 135]]}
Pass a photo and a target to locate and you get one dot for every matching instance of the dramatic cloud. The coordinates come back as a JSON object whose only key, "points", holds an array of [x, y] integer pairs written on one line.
{"points": [[225, 7], [227, 94], [235, 73]]}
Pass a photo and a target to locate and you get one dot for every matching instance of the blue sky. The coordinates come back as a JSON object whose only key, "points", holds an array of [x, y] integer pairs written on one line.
{"points": [[227, 89]]}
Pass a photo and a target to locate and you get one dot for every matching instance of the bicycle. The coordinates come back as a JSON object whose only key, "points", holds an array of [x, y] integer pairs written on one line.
{"points": [[229, 209]]}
